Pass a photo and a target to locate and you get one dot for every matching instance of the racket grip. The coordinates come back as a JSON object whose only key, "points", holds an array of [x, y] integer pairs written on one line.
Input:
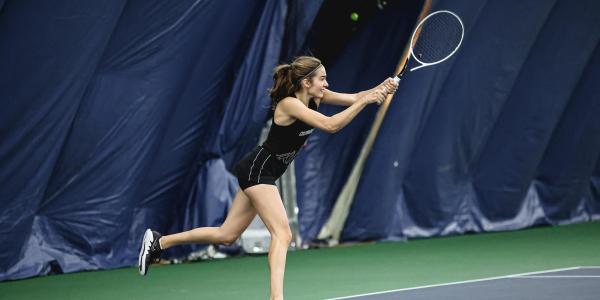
{"points": [[397, 79]]}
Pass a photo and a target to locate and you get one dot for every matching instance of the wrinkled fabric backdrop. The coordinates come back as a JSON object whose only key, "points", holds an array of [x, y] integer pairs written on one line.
{"points": [[120, 115]]}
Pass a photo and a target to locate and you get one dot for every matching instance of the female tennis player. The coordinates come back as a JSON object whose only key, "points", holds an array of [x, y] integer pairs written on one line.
{"points": [[298, 90]]}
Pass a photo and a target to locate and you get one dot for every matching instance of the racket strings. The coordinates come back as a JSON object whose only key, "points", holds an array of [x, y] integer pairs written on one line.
{"points": [[439, 36]]}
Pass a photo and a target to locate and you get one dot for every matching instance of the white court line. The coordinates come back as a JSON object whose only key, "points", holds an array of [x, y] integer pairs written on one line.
{"points": [[561, 276], [458, 282]]}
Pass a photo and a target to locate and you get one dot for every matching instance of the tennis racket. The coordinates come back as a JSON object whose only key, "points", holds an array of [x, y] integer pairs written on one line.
{"points": [[435, 39]]}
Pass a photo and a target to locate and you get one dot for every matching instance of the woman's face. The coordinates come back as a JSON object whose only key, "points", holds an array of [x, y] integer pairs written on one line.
{"points": [[318, 83]]}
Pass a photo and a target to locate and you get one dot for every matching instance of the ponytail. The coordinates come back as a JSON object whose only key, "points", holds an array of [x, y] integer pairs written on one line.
{"points": [[287, 77], [283, 86]]}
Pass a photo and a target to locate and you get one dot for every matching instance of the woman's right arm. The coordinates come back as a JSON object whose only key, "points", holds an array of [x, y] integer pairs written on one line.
{"points": [[296, 109]]}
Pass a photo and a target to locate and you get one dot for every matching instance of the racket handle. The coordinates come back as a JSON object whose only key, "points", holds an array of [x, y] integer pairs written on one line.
{"points": [[397, 79]]}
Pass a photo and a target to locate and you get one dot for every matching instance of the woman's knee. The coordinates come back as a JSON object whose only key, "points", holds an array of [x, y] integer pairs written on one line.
{"points": [[227, 237], [282, 234]]}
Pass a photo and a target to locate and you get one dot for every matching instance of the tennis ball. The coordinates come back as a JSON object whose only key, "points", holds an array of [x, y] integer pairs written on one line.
{"points": [[354, 16]]}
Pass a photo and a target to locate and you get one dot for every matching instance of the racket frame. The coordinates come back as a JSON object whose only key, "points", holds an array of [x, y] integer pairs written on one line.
{"points": [[412, 54], [462, 34]]}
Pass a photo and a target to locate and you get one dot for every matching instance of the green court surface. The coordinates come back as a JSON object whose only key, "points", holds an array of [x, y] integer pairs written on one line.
{"points": [[334, 272]]}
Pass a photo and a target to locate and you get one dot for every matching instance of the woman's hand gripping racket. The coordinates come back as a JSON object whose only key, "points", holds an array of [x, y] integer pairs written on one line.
{"points": [[434, 40]]}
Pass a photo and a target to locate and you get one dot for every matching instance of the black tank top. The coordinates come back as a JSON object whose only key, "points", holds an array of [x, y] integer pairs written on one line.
{"points": [[284, 142]]}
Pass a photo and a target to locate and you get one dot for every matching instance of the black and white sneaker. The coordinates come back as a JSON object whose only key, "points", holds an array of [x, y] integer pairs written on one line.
{"points": [[150, 251]]}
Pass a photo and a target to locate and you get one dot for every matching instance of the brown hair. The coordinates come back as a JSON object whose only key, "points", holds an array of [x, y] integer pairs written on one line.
{"points": [[287, 77]]}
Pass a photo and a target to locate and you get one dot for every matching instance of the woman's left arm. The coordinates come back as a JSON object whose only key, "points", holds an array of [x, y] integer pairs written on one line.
{"points": [[335, 98]]}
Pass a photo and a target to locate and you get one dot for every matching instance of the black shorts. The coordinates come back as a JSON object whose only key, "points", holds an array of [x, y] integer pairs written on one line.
{"points": [[258, 167]]}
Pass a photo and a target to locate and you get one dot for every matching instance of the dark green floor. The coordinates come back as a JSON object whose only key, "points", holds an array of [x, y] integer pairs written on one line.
{"points": [[324, 273]]}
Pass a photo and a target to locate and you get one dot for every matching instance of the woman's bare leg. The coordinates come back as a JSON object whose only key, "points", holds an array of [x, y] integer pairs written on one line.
{"points": [[239, 217], [269, 206]]}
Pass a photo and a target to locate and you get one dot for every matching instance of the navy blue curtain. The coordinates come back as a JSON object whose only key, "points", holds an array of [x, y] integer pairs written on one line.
{"points": [[116, 116], [49, 53], [502, 136], [122, 115]]}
